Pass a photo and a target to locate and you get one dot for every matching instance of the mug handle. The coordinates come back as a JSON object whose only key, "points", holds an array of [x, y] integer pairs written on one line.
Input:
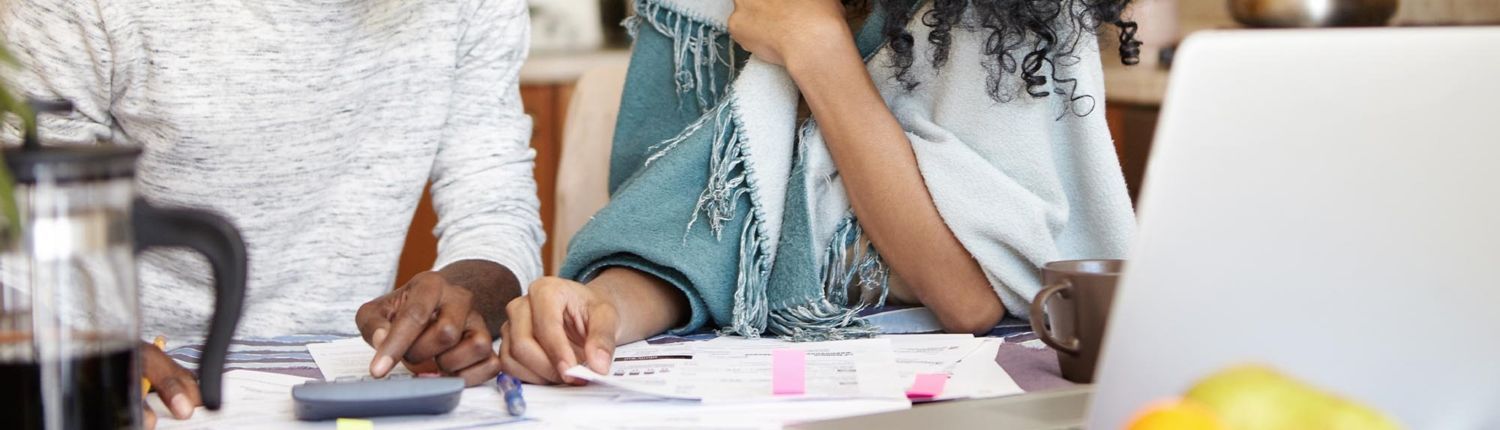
{"points": [[219, 241], [1039, 315]]}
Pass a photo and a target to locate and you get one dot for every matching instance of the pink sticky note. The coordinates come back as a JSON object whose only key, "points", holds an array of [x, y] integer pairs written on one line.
{"points": [[788, 372], [928, 385]]}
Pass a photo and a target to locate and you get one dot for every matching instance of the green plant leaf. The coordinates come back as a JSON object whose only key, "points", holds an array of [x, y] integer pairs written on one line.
{"points": [[12, 105]]}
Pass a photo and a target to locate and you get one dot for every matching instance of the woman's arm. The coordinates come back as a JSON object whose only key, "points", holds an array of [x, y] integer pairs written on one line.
{"points": [[886, 189], [646, 305], [874, 157]]}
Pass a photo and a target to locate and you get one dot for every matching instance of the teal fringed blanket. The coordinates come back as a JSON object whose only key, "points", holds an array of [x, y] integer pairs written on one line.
{"points": [[717, 189]]}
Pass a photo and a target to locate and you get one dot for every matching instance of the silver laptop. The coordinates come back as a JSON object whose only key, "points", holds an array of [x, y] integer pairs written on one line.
{"points": [[1326, 202]]}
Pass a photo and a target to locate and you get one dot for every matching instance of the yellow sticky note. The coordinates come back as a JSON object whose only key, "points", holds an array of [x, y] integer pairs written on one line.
{"points": [[355, 424]]}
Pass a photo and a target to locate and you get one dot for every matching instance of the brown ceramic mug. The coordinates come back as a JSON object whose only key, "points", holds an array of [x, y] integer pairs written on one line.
{"points": [[1070, 311]]}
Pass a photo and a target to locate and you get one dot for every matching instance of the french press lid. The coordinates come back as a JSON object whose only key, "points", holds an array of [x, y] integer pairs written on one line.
{"points": [[31, 162]]}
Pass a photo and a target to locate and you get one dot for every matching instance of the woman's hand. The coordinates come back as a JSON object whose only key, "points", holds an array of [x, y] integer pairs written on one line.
{"points": [[784, 31], [555, 326]]}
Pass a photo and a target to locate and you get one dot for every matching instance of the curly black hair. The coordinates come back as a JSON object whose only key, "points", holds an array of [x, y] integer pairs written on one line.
{"points": [[1025, 28]]}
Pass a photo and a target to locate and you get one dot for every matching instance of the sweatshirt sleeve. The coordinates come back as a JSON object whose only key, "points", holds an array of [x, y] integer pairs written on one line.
{"points": [[482, 184], [64, 52]]}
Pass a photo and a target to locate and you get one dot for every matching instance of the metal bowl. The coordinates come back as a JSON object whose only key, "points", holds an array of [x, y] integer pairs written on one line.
{"points": [[1312, 13]]}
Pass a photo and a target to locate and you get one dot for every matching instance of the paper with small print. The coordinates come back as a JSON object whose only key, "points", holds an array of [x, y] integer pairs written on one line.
{"points": [[730, 369], [347, 359], [256, 400], [931, 353]]}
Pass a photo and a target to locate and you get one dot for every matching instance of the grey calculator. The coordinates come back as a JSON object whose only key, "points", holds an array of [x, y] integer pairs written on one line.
{"points": [[367, 397]]}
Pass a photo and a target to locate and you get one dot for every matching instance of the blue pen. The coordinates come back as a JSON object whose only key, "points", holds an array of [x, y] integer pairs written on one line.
{"points": [[511, 388]]}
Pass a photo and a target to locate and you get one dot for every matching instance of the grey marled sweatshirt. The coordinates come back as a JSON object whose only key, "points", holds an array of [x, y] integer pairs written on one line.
{"points": [[312, 124]]}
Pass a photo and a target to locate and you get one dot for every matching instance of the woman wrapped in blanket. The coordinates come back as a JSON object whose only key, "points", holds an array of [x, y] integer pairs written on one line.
{"points": [[782, 165]]}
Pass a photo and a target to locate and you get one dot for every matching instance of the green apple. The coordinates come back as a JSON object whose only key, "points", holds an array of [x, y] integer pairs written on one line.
{"points": [[1255, 397]]}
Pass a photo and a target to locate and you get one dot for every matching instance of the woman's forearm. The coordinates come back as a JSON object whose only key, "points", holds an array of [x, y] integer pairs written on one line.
{"points": [[886, 189], [646, 305]]}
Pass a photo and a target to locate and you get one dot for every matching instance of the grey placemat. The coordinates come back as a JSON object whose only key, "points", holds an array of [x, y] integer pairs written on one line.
{"points": [[1033, 369]]}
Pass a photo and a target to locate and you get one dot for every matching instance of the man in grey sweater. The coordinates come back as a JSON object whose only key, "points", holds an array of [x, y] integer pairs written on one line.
{"points": [[314, 126]]}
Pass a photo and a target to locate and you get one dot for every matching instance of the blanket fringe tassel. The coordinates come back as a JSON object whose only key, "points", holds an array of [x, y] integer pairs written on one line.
{"points": [[835, 318], [696, 49]]}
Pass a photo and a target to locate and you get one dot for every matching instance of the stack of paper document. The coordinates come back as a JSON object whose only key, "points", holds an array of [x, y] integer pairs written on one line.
{"points": [[726, 382], [720, 383], [730, 369], [259, 400], [739, 370]]}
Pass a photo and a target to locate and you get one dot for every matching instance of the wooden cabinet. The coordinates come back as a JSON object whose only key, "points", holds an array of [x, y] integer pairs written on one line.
{"points": [[548, 106], [1133, 127]]}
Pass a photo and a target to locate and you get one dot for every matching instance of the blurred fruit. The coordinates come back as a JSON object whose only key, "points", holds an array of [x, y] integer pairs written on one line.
{"points": [[1176, 414], [1259, 398]]}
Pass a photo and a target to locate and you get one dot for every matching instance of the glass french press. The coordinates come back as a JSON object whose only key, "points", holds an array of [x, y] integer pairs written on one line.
{"points": [[69, 311]]}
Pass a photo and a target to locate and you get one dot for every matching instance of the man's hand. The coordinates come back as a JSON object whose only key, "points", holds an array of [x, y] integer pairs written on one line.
{"points": [[433, 324], [177, 387]]}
